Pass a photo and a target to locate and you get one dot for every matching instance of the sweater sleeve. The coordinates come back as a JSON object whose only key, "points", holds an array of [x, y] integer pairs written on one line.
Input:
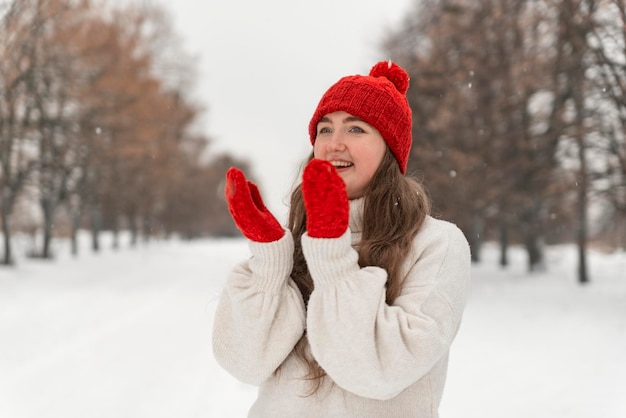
{"points": [[260, 316], [373, 349]]}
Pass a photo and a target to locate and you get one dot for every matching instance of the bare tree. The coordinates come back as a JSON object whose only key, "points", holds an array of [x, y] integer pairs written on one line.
{"points": [[607, 42], [17, 112], [475, 74], [95, 113], [53, 89], [512, 100]]}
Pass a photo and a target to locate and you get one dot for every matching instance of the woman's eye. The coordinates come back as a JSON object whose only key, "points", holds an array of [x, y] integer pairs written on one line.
{"points": [[324, 130], [356, 130]]}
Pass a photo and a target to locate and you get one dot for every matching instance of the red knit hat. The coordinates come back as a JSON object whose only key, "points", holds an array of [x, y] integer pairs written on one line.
{"points": [[378, 99]]}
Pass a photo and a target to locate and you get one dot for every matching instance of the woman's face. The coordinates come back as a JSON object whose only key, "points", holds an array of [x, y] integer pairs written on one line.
{"points": [[354, 147]]}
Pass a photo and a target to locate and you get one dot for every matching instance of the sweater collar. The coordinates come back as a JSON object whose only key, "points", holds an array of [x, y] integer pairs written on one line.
{"points": [[356, 214]]}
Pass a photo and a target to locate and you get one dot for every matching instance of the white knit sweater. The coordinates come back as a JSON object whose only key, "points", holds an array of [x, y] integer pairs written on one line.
{"points": [[382, 360]]}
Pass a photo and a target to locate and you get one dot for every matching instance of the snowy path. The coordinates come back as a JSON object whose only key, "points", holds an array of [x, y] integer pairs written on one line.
{"points": [[119, 335], [127, 334], [541, 346]]}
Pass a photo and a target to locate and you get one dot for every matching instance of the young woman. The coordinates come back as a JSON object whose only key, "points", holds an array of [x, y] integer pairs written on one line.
{"points": [[351, 310]]}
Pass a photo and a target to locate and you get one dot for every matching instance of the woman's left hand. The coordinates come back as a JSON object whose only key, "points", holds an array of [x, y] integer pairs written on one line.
{"points": [[325, 200]]}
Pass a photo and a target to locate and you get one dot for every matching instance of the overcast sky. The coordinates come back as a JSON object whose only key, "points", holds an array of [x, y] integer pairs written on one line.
{"points": [[264, 65]]}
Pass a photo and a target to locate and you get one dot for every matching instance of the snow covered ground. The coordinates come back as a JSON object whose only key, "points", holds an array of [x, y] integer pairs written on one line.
{"points": [[127, 334]]}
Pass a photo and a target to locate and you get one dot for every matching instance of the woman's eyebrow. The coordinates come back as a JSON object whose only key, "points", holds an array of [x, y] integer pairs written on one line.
{"points": [[352, 119], [347, 119]]}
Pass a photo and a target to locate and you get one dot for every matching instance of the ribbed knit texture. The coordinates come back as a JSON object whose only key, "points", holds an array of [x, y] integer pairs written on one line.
{"points": [[378, 99], [246, 207], [382, 361], [325, 200]]}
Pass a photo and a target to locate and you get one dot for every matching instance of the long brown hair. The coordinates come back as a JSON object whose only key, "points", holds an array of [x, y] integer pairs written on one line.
{"points": [[395, 207]]}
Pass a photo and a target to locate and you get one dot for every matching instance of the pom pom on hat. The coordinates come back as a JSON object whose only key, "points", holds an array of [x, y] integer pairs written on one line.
{"points": [[392, 72], [378, 99]]}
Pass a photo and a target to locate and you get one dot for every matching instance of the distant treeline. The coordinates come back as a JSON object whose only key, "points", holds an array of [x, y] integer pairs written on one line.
{"points": [[520, 118], [95, 126], [519, 121]]}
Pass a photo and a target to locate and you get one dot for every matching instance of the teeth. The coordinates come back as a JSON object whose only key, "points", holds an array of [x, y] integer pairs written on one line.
{"points": [[341, 163]]}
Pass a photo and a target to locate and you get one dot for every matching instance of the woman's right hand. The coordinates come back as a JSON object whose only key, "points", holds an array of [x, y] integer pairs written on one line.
{"points": [[246, 207]]}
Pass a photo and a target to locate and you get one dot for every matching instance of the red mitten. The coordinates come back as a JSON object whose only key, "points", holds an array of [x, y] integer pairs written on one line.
{"points": [[325, 200], [247, 209]]}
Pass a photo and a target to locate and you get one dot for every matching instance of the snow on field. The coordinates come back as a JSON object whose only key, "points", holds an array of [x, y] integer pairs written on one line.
{"points": [[127, 334]]}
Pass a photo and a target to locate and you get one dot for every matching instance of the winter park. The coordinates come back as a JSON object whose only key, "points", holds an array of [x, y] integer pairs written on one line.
{"points": [[119, 121], [127, 334]]}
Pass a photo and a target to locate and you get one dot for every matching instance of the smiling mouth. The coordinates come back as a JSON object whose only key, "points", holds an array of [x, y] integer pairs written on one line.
{"points": [[341, 164]]}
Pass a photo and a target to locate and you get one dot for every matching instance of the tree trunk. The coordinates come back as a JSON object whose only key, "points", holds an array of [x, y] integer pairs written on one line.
{"points": [[116, 234], [46, 207], [504, 245], [6, 231], [536, 257], [476, 238], [96, 224], [132, 224], [75, 226], [74, 240], [583, 276]]}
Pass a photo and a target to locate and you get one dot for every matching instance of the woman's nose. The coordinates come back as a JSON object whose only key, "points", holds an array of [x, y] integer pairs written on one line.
{"points": [[336, 143]]}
